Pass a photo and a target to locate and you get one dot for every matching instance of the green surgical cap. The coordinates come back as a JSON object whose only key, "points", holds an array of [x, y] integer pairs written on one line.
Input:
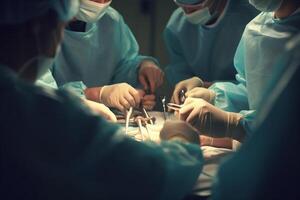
{"points": [[20, 11]]}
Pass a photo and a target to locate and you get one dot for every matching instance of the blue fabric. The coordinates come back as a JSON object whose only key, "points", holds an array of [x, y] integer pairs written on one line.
{"points": [[47, 80], [203, 51], [261, 45], [267, 165], [106, 53], [53, 147], [189, 2], [20, 11]]}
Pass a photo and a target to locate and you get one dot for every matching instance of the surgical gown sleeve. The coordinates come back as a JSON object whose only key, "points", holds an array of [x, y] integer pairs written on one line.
{"points": [[178, 68], [47, 80], [60, 150], [130, 60], [268, 163], [233, 96]]}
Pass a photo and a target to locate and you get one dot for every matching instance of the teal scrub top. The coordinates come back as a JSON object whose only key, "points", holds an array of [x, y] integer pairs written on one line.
{"points": [[106, 53], [262, 44], [53, 147], [205, 51]]}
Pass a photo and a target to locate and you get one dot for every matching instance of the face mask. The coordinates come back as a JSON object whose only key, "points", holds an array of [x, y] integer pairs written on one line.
{"points": [[91, 11], [266, 5], [199, 17]]}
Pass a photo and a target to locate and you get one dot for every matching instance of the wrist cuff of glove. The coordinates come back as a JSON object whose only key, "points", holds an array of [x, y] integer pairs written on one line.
{"points": [[234, 128], [212, 96], [201, 83], [100, 94]]}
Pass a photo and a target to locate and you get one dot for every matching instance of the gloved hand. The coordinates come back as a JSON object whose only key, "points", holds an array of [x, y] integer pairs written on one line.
{"points": [[150, 76], [147, 100], [179, 130], [203, 93], [185, 85], [121, 96], [101, 109], [212, 121]]}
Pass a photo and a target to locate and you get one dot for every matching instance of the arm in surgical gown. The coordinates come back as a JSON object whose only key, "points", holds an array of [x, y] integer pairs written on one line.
{"points": [[52, 147], [179, 69], [262, 43], [267, 165], [106, 53], [130, 58], [233, 96]]}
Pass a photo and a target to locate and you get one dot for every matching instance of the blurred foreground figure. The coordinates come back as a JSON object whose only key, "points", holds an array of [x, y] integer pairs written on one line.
{"points": [[52, 147], [267, 166]]}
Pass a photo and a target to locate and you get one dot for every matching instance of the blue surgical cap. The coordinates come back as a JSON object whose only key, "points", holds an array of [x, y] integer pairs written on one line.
{"points": [[189, 2], [20, 11]]}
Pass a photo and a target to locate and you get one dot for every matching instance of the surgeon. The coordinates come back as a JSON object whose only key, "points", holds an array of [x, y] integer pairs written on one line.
{"points": [[53, 147], [267, 165], [100, 60], [201, 37], [228, 109]]}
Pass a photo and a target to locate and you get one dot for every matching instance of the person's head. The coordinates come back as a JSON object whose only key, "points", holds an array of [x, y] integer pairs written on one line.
{"points": [[31, 31], [282, 8], [92, 10], [202, 11]]}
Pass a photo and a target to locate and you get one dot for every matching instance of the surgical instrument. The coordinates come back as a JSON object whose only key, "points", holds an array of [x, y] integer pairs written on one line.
{"points": [[148, 116], [174, 106], [182, 96], [128, 115], [163, 101], [139, 122]]}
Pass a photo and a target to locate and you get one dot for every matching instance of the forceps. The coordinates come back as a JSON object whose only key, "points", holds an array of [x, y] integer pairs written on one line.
{"points": [[163, 101], [151, 122], [139, 122], [128, 115], [174, 106], [182, 96], [148, 116]]}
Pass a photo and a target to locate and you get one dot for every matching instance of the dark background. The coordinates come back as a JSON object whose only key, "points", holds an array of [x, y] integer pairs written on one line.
{"points": [[147, 20]]}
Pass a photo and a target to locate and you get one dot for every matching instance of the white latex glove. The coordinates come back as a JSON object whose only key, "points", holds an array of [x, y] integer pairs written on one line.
{"points": [[101, 109], [185, 85], [212, 121], [121, 96], [150, 76], [179, 130], [203, 93], [147, 100]]}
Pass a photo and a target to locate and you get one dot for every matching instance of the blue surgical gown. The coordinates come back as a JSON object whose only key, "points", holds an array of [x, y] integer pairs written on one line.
{"points": [[206, 51], [52, 147], [106, 53], [262, 43], [267, 165]]}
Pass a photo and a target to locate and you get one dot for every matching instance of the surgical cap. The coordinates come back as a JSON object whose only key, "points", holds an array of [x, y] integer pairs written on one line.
{"points": [[20, 11], [189, 2]]}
